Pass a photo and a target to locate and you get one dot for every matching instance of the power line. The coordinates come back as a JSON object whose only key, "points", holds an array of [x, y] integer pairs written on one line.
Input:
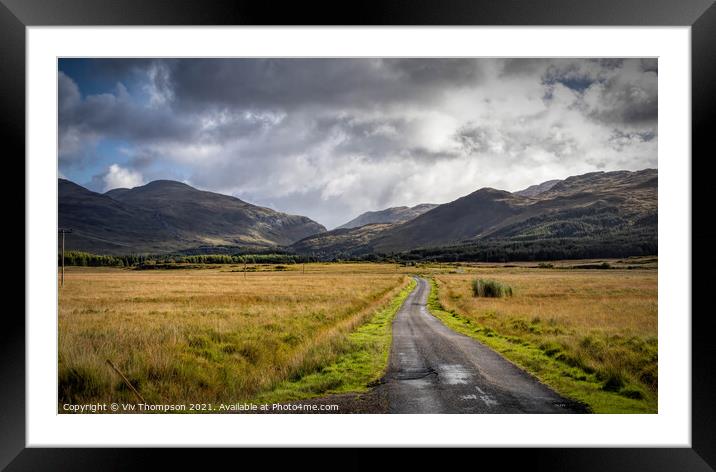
{"points": [[85, 234], [63, 232]]}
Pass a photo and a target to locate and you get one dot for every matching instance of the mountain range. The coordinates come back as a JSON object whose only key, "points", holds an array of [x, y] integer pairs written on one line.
{"points": [[591, 207], [399, 214], [165, 216], [604, 211]]}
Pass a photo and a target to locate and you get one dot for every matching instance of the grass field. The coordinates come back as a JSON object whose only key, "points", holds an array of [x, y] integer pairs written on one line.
{"points": [[213, 335], [590, 334], [287, 332]]}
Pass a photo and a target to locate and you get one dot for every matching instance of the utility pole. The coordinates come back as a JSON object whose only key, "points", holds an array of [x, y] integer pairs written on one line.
{"points": [[63, 231]]}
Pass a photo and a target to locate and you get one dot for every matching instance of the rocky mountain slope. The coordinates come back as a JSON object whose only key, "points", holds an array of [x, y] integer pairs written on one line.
{"points": [[399, 214], [587, 208], [165, 216], [534, 190]]}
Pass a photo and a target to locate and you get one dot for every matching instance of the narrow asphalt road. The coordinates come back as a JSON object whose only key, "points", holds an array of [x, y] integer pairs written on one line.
{"points": [[433, 369]]}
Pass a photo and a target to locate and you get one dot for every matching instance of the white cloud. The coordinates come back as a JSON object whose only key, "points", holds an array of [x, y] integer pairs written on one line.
{"points": [[159, 87], [331, 139], [119, 177]]}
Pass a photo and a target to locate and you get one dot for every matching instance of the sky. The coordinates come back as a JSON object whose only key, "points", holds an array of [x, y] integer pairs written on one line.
{"points": [[332, 138]]}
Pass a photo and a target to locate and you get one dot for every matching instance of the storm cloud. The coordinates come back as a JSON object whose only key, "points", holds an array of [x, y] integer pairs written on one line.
{"points": [[332, 138]]}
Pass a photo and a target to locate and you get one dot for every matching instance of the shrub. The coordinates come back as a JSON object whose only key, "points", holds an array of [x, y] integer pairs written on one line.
{"points": [[613, 379], [550, 348], [603, 265], [490, 288], [77, 383], [632, 393]]}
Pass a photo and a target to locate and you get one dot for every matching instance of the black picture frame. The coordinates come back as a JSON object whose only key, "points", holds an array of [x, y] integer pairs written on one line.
{"points": [[700, 15]]}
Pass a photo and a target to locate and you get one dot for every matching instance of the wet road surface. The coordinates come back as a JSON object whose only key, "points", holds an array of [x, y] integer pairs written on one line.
{"points": [[433, 369]]}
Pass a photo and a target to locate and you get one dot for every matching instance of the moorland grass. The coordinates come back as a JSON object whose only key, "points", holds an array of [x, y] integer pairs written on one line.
{"points": [[490, 288], [361, 365], [282, 333], [211, 336], [590, 336]]}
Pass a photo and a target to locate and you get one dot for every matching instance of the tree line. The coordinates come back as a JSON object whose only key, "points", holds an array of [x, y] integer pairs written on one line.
{"points": [[539, 250], [86, 259], [491, 250]]}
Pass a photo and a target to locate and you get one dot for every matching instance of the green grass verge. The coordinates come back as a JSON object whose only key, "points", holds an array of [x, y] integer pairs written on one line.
{"points": [[363, 361], [568, 381]]}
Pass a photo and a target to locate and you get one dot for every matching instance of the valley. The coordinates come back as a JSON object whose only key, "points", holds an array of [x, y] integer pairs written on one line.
{"points": [[199, 296], [322, 332], [600, 214]]}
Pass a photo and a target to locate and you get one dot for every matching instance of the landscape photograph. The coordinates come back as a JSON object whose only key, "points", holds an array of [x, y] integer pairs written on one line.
{"points": [[357, 235]]}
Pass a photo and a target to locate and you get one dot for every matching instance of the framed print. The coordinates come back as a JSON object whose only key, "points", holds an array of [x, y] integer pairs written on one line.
{"points": [[426, 226]]}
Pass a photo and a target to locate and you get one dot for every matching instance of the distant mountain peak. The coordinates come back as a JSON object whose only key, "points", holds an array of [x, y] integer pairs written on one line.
{"points": [[491, 192], [392, 215], [621, 205], [599, 179], [534, 190], [166, 182], [166, 215], [163, 184]]}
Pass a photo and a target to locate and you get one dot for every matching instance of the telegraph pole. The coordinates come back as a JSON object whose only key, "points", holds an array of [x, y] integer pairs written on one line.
{"points": [[63, 231]]}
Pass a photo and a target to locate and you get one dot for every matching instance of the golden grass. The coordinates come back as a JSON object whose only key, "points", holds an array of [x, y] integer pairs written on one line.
{"points": [[210, 335], [603, 322], [219, 335]]}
